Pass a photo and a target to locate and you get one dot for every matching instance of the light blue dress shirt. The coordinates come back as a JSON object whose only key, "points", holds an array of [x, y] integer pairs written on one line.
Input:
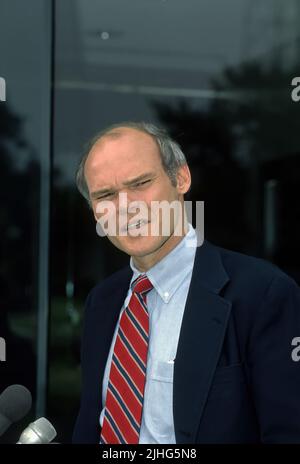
{"points": [[170, 278]]}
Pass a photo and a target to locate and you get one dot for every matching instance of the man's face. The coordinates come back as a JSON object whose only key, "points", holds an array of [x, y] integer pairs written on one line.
{"points": [[114, 161]]}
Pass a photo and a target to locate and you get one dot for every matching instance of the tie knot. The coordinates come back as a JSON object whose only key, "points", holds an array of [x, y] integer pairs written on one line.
{"points": [[141, 285]]}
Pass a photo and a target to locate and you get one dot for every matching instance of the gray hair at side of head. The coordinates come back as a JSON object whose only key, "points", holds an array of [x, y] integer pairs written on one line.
{"points": [[171, 154]]}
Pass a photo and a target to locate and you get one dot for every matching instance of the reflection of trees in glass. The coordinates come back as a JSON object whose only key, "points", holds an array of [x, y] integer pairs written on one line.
{"points": [[19, 211], [18, 252], [265, 122], [227, 141], [263, 116], [217, 178]]}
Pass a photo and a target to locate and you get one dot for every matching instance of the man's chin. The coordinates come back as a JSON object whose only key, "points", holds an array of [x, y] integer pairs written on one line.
{"points": [[139, 246]]}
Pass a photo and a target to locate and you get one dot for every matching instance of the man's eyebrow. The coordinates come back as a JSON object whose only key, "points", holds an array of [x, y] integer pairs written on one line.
{"points": [[137, 179], [128, 182]]}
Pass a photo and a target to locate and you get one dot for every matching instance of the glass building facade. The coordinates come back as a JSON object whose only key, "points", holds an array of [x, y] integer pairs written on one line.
{"points": [[217, 75]]}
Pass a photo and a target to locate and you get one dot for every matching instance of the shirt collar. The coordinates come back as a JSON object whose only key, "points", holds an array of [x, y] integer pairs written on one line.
{"points": [[167, 275]]}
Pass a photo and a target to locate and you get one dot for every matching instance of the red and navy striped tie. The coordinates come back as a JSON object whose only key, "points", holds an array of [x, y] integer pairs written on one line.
{"points": [[127, 377]]}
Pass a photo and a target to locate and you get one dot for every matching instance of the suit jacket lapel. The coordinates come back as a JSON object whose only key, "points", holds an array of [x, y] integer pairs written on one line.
{"points": [[201, 337]]}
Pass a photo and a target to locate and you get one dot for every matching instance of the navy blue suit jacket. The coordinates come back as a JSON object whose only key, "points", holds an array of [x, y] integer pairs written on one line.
{"points": [[234, 377]]}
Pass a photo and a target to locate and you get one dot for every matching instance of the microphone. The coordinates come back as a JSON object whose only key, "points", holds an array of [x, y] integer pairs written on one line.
{"points": [[15, 403], [39, 432]]}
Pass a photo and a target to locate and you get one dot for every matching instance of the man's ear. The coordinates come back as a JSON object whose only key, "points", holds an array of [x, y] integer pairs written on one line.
{"points": [[184, 179]]}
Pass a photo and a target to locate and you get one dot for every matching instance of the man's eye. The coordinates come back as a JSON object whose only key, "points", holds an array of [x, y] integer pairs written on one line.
{"points": [[105, 196], [141, 183], [135, 185]]}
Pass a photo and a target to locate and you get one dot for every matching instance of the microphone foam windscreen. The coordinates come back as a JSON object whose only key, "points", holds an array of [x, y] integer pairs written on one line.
{"points": [[15, 402]]}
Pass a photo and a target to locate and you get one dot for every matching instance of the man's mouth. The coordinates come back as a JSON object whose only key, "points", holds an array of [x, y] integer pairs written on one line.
{"points": [[137, 224]]}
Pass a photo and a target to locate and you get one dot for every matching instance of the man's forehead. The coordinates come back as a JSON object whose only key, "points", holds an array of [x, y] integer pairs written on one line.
{"points": [[104, 173], [127, 134]]}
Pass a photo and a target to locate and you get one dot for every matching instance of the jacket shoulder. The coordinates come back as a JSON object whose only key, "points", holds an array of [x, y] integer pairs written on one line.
{"points": [[238, 263]]}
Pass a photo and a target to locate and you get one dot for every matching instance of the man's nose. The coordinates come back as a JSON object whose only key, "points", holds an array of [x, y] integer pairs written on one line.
{"points": [[124, 200]]}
